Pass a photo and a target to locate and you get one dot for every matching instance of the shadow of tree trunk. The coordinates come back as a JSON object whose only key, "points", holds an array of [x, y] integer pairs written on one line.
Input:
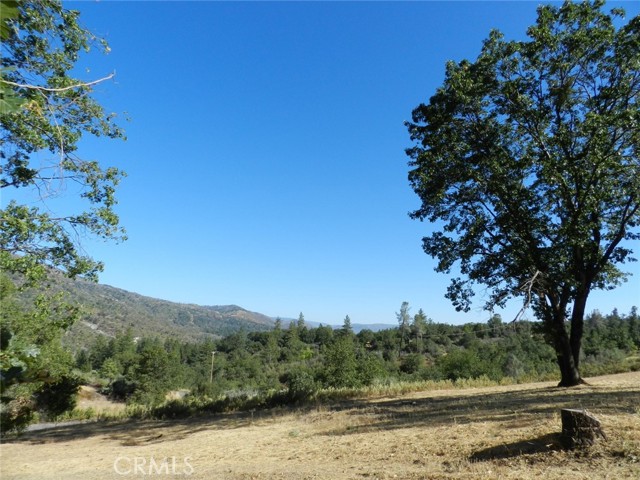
{"points": [[547, 443]]}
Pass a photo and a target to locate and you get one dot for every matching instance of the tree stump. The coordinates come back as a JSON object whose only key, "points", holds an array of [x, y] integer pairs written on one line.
{"points": [[580, 428]]}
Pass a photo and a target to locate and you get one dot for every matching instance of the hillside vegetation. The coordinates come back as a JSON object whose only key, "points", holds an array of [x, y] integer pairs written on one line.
{"points": [[106, 310], [298, 364]]}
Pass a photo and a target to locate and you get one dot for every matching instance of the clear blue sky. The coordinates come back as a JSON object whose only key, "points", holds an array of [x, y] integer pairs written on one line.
{"points": [[265, 151]]}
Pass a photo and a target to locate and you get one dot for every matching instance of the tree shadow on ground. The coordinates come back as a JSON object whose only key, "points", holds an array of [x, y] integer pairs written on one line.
{"points": [[518, 407], [510, 407], [551, 442], [141, 432]]}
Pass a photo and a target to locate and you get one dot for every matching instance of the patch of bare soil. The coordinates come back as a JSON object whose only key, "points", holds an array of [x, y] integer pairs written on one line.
{"points": [[508, 432]]}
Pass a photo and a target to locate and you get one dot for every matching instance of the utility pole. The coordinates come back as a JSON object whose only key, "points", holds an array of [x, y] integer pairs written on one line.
{"points": [[213, 354]]}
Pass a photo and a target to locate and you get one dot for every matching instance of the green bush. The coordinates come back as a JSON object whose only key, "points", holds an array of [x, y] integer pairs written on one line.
{"points": [[301, 386], [121, 389], [370, 368], [459, 363], [412, 363], [57, 397], [605, 362], [174, 409], [16, 414], [340, 364]]}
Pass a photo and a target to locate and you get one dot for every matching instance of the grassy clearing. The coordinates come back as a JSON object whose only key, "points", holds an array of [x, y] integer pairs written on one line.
{"points": [[497, 431]]}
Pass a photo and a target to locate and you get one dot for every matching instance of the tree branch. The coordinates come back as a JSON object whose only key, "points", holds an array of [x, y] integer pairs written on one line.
{"points": [[60, 89]]}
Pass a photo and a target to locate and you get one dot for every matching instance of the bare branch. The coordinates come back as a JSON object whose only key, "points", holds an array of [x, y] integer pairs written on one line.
{"points": [[60, 89], [529, 286]]}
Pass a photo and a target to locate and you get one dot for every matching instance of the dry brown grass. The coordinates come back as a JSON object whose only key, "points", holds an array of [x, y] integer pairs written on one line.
{"points": [[89, 397], [505, 432]]}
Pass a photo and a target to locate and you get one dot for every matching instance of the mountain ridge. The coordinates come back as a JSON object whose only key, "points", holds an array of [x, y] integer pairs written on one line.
{"points": [[107, 310]]}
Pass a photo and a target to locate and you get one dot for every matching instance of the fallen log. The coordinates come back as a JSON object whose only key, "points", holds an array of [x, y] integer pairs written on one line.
{"points": [[580, 428]]}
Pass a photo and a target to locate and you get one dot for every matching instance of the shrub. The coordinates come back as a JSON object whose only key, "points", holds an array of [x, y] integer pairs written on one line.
{"points": [[341, 365], [16, 414], [370, 368], [58, 397], [121, 389], [459, 363], [173, 409], [301, 386], [412, 363]]}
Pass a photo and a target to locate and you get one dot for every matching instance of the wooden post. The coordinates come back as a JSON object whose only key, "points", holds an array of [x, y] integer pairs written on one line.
{"points": [[579, 428]]}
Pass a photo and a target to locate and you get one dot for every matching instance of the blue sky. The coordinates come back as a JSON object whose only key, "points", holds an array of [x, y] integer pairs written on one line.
{"points": [[265, 152]]}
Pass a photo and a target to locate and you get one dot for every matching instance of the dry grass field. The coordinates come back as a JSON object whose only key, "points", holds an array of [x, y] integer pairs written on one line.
{"points": [[506, 432]]}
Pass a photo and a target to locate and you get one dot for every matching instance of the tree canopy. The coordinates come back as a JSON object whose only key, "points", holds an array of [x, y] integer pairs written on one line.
{"points": [[45, 112], [528, 157]]}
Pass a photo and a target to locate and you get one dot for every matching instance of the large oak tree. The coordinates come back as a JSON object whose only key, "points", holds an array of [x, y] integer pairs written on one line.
{"points": [[528, 159]]}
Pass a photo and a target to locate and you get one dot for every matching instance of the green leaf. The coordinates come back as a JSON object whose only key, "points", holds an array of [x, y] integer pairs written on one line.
{"points": [[9, 102], [8, 11]]}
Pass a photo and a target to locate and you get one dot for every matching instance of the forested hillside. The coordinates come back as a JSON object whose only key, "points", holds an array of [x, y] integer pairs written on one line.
{"points": [[107, 310], [295, 362]]}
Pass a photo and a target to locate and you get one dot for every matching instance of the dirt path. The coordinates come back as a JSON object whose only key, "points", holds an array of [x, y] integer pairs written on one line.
{"points": [[497, 432]]}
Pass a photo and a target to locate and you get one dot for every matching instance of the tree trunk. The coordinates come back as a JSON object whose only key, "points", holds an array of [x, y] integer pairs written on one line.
{"points": [[577, 325], [569, 373]]}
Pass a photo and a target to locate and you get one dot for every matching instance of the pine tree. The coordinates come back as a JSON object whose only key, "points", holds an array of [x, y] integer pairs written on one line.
{"points": [[403, 324]]}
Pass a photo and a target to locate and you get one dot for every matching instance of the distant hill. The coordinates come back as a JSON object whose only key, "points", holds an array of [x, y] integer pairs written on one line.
{"points": [[357, 327], [374, 327], [107, 310]]}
